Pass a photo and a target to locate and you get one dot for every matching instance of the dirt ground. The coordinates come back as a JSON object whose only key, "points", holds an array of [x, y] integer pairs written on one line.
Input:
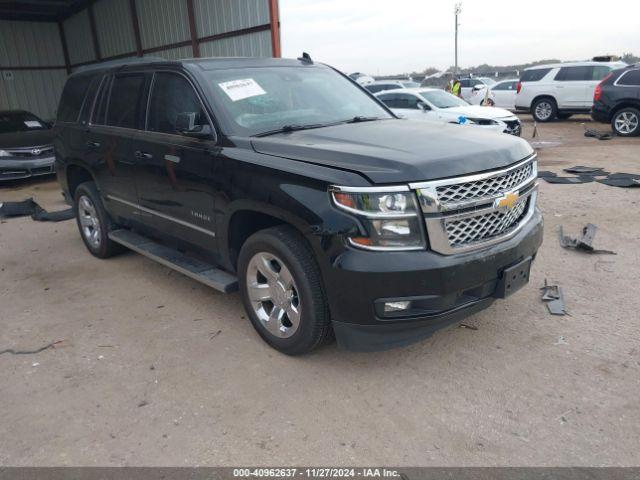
{"points": [[156, 369]]}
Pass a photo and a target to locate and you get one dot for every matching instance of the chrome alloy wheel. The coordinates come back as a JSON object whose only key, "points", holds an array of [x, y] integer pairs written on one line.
{"points": [[544, 110], [273, 294], [626, 122], [89, 221]]}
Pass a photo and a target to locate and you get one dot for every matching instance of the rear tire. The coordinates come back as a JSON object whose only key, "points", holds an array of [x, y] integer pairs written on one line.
{"points": [[94, 222], [544, 110], [626, 122], [282, 290]]}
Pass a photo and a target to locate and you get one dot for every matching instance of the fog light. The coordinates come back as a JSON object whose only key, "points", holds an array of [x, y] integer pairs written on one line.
{"points": [[390, 307]]}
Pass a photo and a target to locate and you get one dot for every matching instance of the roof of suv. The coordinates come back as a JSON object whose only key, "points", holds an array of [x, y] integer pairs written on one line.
{"points": [[578, 64], [213, 63]]}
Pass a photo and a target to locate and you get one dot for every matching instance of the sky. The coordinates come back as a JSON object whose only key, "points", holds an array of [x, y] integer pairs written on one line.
{"points": [[380, 37]]}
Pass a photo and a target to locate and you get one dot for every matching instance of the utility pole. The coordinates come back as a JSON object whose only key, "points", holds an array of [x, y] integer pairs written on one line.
{"points": [[457, 10]]}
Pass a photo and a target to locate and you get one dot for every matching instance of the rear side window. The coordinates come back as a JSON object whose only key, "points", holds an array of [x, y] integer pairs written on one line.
{"points": [[534, 75], [506, 86], [404, 100], [599, 72], [574, 74], [126, 102], [72, 98], [171, 95], [389, 99], [89, 99], [630, 78]]}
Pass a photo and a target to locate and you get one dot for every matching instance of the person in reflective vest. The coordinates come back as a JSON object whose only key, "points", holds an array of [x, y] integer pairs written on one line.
{"points": [[455, 88]]}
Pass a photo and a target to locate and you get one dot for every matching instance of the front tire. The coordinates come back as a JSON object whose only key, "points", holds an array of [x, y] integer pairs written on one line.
{"points": [[544, 110], [94, 222], [626, 122], [282, 290]]}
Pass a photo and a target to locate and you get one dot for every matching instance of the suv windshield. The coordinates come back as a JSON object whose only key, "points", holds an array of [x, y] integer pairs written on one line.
{"points": [[442, 99], [20, 122], [259, 100]]}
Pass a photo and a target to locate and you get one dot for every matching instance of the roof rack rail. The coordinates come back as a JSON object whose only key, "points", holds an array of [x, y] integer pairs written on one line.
{"points": [[120, 62]]}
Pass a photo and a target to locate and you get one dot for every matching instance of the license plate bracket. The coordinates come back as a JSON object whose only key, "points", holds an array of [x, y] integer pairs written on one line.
{"points": [[513, 278]]}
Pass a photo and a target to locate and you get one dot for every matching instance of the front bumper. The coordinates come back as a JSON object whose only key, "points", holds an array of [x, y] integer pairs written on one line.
{"points": [[448, 288], [11, 169]]}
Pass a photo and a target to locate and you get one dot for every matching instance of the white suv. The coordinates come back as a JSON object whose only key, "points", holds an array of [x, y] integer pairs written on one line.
{"points": [[561, 89]]}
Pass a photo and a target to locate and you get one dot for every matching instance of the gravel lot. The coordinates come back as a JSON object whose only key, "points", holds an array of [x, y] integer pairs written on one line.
{"points": [[155, 369]]}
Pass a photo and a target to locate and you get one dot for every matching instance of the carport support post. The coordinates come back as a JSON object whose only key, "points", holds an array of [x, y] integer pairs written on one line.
{"points": [[94, 32], [195, 44], [274, 20], [65, 49], [136, 27]]}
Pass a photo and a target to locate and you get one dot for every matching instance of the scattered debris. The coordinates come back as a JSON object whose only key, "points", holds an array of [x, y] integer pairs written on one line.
{"points": [[554, 298], [585, 242], [561, 341], [470, 327], [546, 174], [624, 180], [35, 364], [587, 171], [31, 352], [143, 403], [37, 213], [213, 335], [580, 179], [589, 132]]}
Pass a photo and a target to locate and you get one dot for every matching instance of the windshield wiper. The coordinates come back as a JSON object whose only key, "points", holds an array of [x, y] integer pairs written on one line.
{"points": [[290, 128], [361, 118]]}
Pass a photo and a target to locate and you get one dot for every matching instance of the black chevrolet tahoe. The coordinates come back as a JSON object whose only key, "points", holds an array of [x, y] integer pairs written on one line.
{"points": [[616, 100], [286, 180]]}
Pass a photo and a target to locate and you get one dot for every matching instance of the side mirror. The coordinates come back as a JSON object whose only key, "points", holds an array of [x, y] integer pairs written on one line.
{"points": [[186, 125]]}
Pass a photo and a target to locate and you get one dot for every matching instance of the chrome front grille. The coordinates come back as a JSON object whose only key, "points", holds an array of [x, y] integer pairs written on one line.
{"points": [[455, 193], [470, 230], [31, 152], [472, 212]]}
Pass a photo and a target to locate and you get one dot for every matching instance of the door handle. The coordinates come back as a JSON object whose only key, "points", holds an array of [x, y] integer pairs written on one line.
{"points": [[172, 158], [92, 144], [143, 155]]}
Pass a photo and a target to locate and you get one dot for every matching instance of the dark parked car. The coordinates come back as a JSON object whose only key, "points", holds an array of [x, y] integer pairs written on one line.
{"points": [[25, 145], [617, 101], [287, 180]]}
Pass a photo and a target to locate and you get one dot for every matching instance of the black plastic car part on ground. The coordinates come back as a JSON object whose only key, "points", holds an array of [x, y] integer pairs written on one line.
{"points": [[327, 212], [26, 148], [617, 101]]}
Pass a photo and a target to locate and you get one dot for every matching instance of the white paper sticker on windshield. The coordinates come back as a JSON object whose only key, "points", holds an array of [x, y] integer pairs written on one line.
{"points": [[32, 123], [241, 89]]}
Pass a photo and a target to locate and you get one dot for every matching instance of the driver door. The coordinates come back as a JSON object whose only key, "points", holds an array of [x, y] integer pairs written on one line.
{"points": [[176, 172]]}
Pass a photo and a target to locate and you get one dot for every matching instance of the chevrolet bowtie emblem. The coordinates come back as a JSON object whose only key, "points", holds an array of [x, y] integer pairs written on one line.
{"points": [[507, 202]]}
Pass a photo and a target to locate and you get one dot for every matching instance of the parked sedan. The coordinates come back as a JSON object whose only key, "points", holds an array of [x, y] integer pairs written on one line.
{"points": [[434, 105], [501, 95], [26, 148]]}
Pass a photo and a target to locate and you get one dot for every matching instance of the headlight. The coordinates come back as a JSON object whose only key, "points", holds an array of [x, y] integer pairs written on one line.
{"points": [[392, 219], [482, 121], [4, 153]]}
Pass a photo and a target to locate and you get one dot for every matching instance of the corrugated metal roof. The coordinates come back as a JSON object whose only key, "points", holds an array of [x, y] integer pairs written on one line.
{"points": [[77, 30], [162, 22], [220, 16], [29, 44], [114, 27], [256, 44]]}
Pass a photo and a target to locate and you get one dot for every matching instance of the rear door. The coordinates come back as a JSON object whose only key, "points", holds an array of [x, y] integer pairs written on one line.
{"points": [[117, 118], [504, 95], [176, 172], [572, 85]]}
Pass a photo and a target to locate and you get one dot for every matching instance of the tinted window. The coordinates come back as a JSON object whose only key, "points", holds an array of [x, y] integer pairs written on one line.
{"points": [[574, 74], [375, 88], [534, 75], [404, 100], [631, 78], [599, 72], [465, 83], [100, 109], [20, 122], [72, 98], [473, 82], [172, 94], [506, 86], [89, 98], [389, 99], [126, 102]]}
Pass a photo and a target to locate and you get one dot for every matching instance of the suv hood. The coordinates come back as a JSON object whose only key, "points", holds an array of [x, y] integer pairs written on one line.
{"points": [[34, 138], [394, 151], [477, 111]]}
